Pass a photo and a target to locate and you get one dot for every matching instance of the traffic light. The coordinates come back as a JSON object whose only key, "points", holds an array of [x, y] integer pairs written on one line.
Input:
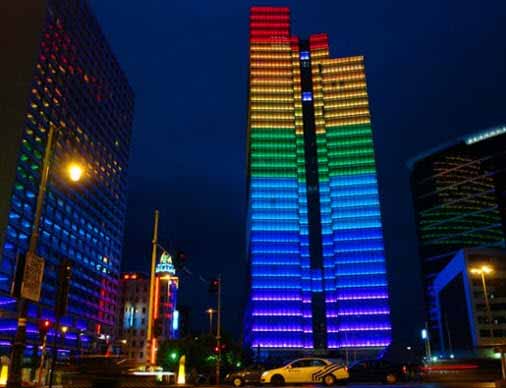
{"points": [[44, 326], [216, 349], [63, 283], [214, 286]]}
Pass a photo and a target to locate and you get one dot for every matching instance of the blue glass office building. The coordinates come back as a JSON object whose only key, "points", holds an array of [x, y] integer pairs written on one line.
{"points": [[60, 70]]}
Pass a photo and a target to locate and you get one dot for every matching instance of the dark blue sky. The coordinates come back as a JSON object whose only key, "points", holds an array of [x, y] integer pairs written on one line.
{"points": [[436, 71]]}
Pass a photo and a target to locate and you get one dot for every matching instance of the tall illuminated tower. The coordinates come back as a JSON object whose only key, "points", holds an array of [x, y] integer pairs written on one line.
{"points": [[315, 241]]}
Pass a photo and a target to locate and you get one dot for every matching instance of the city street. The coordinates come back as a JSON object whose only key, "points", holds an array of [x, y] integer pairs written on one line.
{"points": [[417, 385]]}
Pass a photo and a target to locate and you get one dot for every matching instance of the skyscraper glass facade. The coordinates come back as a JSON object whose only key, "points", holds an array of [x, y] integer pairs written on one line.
{"points": [[77, 86], [315, 241], [459, 195]]}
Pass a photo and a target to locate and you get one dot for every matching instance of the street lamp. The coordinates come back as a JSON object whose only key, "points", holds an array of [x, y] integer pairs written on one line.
{"points": [[211, 312], [482, 271], [75, 172], [18, 347]]}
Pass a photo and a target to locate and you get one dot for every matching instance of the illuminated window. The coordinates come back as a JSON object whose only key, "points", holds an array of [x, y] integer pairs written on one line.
{"points": [[307, 96], [304, 55]]}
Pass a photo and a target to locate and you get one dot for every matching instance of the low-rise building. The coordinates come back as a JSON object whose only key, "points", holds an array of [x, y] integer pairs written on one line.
{"points": [[470, 295], [134, 316]]}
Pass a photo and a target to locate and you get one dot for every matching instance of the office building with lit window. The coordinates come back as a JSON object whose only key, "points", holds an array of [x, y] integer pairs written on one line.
{"points": [[470, 296], [459, 196], [59, 70], [134, 318], [317, 274]]}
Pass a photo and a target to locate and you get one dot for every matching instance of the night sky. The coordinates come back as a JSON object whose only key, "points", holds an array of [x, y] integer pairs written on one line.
{"points": [[436, 71]]}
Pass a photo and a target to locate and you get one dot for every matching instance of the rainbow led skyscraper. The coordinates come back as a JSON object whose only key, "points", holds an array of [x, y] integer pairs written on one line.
{"points": [[315, 240]]}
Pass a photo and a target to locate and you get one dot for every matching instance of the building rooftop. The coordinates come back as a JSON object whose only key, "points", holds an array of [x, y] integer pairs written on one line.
{"points": [[475, 137]]}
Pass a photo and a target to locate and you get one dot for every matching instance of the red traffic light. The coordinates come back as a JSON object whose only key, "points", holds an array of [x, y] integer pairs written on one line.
{"points": [[216, 349], [214, 285], [44, 326]]}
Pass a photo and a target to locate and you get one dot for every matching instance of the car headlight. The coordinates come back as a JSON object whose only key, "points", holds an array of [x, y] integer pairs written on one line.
{"points": [[264, 374], [227, 376]]}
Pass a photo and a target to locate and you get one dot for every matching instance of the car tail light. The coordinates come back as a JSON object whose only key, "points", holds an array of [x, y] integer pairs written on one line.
{"points": [[404, 369]]}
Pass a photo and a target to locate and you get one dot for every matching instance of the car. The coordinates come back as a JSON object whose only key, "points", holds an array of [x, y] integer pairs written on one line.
{"points": [[377, 371], [307, 370], [249, 375]]}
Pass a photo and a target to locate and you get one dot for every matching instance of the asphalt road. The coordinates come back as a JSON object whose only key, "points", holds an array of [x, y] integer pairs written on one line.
{"points": [[408, 385]]}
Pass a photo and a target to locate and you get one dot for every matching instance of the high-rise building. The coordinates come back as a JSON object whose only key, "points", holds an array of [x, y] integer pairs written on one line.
{"points": [[459, 196], [60, 71], [134, 318], [315, 242]]}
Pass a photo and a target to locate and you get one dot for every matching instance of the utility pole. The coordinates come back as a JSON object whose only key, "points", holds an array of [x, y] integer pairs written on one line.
{"points": [[218, 333], [18, 347], [151, 337]]}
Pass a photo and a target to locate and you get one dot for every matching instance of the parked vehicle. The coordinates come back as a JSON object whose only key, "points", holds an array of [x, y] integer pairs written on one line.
{"points": [[307, 370], [249, 375], [377, 371]]}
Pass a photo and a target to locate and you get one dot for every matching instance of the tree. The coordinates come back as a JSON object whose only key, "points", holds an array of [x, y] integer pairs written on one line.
{"points": [[200, 354]]}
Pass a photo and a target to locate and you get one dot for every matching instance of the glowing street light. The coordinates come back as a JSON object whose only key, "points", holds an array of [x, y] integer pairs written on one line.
{"points": [[75, 172], [483, 270], [211, 312]]}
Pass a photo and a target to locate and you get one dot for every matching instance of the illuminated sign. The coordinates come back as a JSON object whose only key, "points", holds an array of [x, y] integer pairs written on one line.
{"points": [[165, 265]]}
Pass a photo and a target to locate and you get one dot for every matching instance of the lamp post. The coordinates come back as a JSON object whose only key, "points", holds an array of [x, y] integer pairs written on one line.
{"points": [[426, 340], [482, 271], [19, 344], [211, 312]]}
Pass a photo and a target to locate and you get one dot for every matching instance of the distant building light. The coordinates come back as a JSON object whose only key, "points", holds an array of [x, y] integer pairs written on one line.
{"points": [[425, 335], [307, 96], [485, 135], [452, 356], [175, 320], [304, 55]]}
